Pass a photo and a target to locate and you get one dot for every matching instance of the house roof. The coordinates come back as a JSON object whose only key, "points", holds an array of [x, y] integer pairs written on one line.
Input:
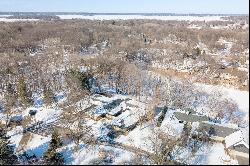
{"points": [[240, 147], [219, 131], [233, 138], [160, 110], [190, 117]]}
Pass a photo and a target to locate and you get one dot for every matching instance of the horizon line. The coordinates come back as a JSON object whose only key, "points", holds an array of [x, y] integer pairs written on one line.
{"points": [[124, 12]]}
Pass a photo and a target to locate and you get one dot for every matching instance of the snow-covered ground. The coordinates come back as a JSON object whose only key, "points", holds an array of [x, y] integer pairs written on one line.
{"points": [[207, 154], [37, 145], [44, 114], [95, 154], [128, 17], [217, 156], [15, 136], [194, 26], [240, 97], [139, 137]]}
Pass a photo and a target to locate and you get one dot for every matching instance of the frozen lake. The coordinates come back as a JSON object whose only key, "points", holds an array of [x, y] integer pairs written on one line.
{"points": [[3, 18], [129, 17]]}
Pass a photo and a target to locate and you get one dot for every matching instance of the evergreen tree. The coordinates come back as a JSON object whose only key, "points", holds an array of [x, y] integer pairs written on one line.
{"points": [[52, 156], [198, 51], [23, 93], [48, 95], [186, 133], [7, 156], [10, 89]]}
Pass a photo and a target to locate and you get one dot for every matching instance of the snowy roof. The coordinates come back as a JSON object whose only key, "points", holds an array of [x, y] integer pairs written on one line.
{"points": [[127, 119], [233, 138], [241, 147]]}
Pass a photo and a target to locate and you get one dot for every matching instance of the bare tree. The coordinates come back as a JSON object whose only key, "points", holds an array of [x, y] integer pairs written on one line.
{"points": [[74, 123]]}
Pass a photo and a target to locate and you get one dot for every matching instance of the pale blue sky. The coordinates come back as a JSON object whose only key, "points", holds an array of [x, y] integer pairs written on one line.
{"points": [[129, 6]]}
